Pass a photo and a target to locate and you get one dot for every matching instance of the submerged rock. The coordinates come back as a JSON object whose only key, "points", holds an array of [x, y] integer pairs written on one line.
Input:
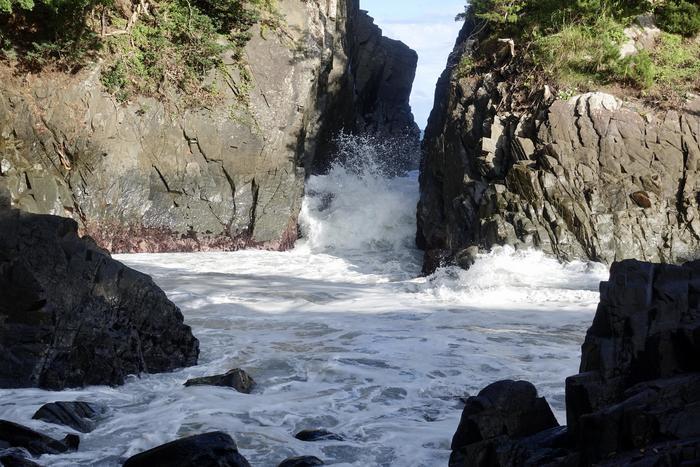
{"points": [[236, 379], [318, 435], [72, 316], [215, 449], [301, 461], [81, 416], [14, 435]]}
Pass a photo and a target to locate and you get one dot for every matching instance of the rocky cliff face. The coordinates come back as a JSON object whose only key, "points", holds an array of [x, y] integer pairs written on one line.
{"points": [[154, 176], [591, 177]]}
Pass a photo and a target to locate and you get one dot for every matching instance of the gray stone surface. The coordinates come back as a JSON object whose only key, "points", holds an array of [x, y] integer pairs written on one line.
{"points": [[591, 177], [150, 176]]}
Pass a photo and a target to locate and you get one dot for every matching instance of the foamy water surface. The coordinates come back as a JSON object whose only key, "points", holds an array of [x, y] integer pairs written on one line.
{"points": [[341, 333]]}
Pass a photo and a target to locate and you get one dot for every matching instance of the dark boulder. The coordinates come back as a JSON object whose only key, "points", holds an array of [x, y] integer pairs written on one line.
{"points": [[502, 412], [72, 316], [236, 379], [14, 435], [80, 416], [318, 435], [16, 457], [301, 461], [215, 449]]}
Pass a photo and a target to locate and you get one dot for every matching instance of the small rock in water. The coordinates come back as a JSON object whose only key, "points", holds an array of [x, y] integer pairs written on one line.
{"points": [[16, 457], [215, 449], [301, 461], [236, 379], [318, 435], [78, 415], [14, 435]]}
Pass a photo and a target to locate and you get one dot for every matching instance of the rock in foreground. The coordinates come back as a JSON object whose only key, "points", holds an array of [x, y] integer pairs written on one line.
{"points": [[215, 449], [236, 379], [80, 416], [14, 435], [637, 398], [301, 461], [72, 316]]}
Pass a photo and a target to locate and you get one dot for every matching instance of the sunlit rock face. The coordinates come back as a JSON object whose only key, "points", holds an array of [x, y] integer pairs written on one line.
{"points": [[590, 177], [151, 176]]}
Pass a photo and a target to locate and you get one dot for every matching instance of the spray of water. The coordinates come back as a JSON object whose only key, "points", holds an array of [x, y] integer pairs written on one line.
{"points": [[360, 212]]}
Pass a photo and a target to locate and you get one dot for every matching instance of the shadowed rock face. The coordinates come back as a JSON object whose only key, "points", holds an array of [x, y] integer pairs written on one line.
{"points": [[72, 316], [591, 177], [215, 449], [637, 398], [153, 177]]}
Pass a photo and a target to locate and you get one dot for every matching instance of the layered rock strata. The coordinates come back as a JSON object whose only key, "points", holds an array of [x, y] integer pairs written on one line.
{"points": [[636, 400], [158, 176], [590, 177], [72, 316]]}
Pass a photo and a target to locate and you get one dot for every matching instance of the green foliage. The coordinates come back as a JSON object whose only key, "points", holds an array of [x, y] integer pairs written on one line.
{"points": [[578, 42], [465, 66], [580, 54], [174, 47], [171, 46], [679, 17]]}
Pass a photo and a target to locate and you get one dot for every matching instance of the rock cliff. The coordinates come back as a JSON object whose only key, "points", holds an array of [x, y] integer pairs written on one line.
{"points": [[636, 400], [158, 176], [589, 177]]}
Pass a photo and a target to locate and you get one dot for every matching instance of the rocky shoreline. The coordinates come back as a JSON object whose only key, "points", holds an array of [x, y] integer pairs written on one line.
{"points": [[636, 399]]}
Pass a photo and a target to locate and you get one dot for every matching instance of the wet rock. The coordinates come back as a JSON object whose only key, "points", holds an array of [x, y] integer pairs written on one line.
{"points": [[16, 457], [318, 435], [505, 410], [236, 379], [467, 257], [434, 259], [563, 176], [301, 461], [215, 449], [72, 316], [81, 416], [14, 435], [637, 399]]}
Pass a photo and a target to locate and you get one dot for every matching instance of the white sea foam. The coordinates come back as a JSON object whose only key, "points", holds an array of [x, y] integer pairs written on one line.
{"points": [[342, 334]]}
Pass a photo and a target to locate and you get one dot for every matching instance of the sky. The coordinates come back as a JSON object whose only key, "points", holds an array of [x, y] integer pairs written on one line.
{"points": [[429, 28]]}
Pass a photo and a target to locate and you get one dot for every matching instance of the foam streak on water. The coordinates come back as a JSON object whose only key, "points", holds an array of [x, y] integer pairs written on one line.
{"points": [[340, 334]]}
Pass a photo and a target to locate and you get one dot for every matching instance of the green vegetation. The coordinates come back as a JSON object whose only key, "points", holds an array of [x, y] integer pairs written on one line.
{"points": [[577, 43], [149, 48]]}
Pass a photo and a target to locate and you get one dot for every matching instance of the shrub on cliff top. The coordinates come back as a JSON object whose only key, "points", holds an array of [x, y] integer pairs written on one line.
{"points": [[148, 46], [578, 42]]}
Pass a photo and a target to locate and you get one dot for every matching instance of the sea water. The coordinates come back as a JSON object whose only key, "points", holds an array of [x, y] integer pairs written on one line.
{"points": [[341, 333]]}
